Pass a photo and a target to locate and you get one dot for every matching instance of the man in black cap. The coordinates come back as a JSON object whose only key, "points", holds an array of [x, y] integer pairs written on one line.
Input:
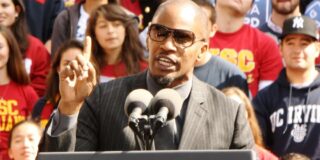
{"points": [[288, 110]]}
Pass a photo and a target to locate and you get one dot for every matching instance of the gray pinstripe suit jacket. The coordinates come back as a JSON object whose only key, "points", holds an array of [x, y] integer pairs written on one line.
{"points": [[212, 121]]}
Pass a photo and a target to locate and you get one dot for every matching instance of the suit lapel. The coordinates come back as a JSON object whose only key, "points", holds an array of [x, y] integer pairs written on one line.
{"points": [[195, 116]]}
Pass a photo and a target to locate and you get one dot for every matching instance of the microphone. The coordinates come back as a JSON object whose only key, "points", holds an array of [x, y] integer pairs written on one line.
{"points": [[167, 103], [136, 103]]}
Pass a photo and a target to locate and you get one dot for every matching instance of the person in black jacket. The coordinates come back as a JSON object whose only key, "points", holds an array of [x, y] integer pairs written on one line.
{"points": [[288, 110]]}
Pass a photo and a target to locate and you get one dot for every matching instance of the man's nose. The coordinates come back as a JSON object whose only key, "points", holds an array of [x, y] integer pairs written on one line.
{"points": [[297, 49], [169, 43]]}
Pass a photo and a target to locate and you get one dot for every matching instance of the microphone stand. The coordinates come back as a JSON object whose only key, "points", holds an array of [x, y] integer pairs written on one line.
{"points": [[146, 128], [137, 126], [150, 130]]}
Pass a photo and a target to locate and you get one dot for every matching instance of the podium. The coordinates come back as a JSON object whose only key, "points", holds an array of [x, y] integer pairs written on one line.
{"points": [[152, 155]]}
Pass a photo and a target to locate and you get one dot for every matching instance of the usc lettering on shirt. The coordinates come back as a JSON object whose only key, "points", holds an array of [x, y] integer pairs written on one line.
{"points": [[9, 114], [244, 59], [254, 52]]}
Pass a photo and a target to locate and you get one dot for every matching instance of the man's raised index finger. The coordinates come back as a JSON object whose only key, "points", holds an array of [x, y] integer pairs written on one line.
{"points": [[87, 48]]}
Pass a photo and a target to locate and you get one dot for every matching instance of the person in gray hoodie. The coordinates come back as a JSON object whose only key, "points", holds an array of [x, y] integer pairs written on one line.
{"points": [[288, 111]]}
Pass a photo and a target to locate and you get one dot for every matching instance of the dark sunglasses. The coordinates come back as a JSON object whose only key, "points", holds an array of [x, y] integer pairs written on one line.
{"points": [[182, 38]]}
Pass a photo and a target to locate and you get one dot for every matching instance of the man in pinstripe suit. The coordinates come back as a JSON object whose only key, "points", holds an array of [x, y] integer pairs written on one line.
{"points": [[176, 41]]}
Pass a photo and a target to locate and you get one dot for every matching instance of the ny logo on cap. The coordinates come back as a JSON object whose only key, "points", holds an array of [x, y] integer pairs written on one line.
{"points": [[297, 22]]}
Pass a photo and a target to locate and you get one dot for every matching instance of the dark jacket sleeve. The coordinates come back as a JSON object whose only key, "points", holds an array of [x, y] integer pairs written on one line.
{"points": [[82, 137], [63, 142], [88, 125]]}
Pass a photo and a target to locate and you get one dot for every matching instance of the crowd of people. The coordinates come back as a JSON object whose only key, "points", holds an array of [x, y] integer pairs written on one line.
{"points": [[64, 81]]}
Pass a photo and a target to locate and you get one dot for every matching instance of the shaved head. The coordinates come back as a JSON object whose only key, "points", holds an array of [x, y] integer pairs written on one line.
{"points": [[179, 11]]}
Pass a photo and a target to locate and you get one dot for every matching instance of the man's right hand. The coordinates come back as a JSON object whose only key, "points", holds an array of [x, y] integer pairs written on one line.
{"points": [[77, 81]]}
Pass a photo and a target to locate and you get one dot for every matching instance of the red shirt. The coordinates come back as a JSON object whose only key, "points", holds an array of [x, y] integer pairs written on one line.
{"points": [[110, 72], [37, 64], [255, 53], [134, 7], [16, 103]]}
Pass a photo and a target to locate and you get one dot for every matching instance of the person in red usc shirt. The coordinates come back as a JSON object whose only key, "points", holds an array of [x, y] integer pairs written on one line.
{"points": [[35, 55], [254, 52], [116, 51], [17, 97]]}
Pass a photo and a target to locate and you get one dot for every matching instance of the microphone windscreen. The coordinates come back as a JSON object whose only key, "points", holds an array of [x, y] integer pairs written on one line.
{"points": [[137, 98], [167, 98]]}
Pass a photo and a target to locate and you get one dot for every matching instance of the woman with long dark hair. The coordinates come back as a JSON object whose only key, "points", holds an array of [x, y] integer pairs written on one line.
{"points": [[46, 104], [116, 49], [35, 55]]}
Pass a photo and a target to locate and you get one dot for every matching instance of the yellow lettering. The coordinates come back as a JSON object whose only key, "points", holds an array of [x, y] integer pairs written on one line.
{"points": [[19, 118], [11, 104], [246, 61], [6, 107], [9, 124], [215, 51], [3, 123], [229, 55], [3, 107]]}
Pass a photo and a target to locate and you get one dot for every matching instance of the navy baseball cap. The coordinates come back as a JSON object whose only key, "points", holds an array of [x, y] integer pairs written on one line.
{"points": [[300, 25]]}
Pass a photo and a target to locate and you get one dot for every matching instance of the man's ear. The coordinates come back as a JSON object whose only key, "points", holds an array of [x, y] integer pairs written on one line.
{"points": [[203, 51], [281, 47]]}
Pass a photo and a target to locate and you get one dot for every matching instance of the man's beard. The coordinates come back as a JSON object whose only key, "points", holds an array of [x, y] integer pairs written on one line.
{"points": [[164, 81], [285, 10]]}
